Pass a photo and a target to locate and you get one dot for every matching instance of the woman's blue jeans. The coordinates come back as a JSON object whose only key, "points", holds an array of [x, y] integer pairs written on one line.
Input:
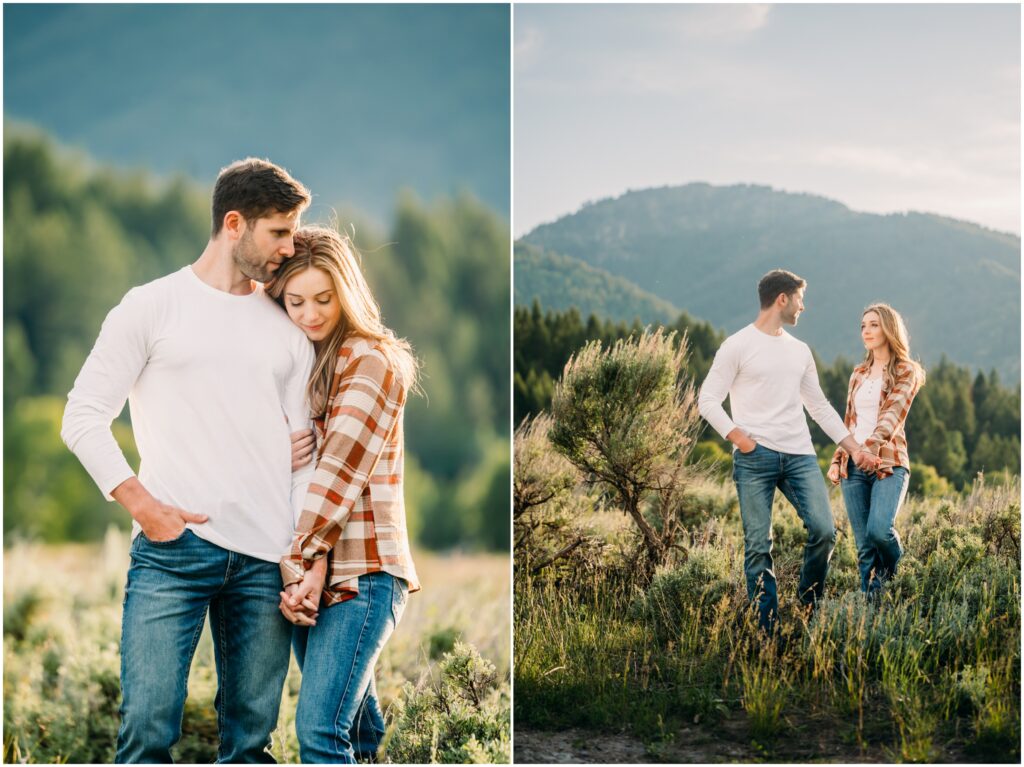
{"points": [[338, 719], [758, 474], [171, 585], [871, 506]]}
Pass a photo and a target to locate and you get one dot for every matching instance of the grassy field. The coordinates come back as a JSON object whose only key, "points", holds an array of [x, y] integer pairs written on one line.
{"points": [[62, 607], [930, 674]]}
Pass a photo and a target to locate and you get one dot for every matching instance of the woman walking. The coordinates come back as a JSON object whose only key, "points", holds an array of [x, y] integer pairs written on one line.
{"points": [[349, 570], [881, 391]]}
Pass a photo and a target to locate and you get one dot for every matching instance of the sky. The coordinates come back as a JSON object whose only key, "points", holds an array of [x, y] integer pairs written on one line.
{"points": [[885, 108], [358, 101]]}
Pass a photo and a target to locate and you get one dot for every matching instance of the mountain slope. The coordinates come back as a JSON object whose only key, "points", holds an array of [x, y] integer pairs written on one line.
{"points": [[562, 281], [357, 100], [703, 248]]}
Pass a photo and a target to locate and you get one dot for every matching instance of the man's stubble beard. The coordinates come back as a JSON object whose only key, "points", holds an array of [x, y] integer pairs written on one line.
{"points": [[246, 257]]}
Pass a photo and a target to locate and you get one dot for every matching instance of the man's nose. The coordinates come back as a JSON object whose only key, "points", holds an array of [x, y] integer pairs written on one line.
{"points": [[288, 248]]}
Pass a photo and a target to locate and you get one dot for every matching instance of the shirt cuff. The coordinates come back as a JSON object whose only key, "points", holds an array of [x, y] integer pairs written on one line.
{"points": [[292, 571]]}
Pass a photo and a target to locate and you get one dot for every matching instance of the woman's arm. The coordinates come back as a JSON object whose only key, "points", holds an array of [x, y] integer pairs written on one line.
{"points": [[363, 415], [893, 411]]}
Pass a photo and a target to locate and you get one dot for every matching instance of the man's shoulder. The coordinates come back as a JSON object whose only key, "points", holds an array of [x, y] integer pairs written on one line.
{"points": [[739, 337], [148, 295], [795, 343], [280, 320]]}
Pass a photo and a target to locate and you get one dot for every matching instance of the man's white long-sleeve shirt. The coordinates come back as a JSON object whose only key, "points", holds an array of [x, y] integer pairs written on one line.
{"points": [[769, 380], [211, 378]]}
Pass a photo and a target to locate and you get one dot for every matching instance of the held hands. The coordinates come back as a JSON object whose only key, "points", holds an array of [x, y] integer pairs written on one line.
{"points": [[303, 444], [300, 601], [866, 461]]}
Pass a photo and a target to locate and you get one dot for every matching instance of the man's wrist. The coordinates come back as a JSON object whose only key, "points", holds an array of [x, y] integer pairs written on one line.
{"points": [[133, 496]]}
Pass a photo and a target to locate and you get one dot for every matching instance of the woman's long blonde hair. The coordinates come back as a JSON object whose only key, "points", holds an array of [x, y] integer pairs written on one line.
{"points": [[896, 335], [318, 247]]}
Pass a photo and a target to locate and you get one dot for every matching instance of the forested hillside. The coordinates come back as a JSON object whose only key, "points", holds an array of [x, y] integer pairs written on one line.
{"points": [[561, 282], [77, 236], [960, 424], [703, 248]]}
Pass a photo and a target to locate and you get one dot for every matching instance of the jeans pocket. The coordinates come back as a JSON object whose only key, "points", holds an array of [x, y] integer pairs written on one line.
{"points": [[184, 534], [399, 596]]}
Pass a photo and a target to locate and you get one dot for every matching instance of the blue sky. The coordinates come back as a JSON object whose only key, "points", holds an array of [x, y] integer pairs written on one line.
{"points": [[883, 107]]}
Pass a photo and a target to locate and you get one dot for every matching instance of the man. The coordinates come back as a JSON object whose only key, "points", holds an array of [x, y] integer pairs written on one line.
{"points": [[770, 377], [214, 371]]}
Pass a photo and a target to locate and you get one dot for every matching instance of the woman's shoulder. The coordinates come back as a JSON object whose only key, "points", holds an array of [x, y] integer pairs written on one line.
{"points": [[910, 371], [358, 347]]}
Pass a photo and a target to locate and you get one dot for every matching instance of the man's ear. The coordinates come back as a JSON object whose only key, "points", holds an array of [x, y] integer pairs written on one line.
{"points": [[234, 224], [782, 300]]}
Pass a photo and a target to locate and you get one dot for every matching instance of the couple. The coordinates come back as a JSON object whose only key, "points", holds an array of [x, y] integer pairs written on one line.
{"points": [[216, 367], [770, 377]]}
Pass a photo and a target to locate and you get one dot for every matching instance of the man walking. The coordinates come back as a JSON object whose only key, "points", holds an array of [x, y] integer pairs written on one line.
{"points": [[214, 372], [770, 377]]}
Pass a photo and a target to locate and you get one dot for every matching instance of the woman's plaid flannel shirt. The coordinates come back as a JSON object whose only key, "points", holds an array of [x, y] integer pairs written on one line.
{"points": [[354, 511], [888, 441]]}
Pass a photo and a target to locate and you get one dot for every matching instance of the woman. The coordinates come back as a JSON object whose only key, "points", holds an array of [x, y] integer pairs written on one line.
{"points": [[350, 555], [881, 391]]}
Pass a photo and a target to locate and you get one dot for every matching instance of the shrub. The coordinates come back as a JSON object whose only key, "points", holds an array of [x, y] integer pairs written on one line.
{"points": [[461, 716]]}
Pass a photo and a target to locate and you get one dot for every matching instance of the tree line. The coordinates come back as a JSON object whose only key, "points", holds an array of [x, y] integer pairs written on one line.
{"points": [[962, 422], [78, 235]]}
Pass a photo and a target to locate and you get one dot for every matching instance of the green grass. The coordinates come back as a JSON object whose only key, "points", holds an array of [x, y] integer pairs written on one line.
{"points": [[930, 674], [62, 607]]}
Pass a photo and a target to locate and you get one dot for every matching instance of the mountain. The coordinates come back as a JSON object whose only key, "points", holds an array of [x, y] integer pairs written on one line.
{"points": [[357, 100], [561, 282], [703, 248]]}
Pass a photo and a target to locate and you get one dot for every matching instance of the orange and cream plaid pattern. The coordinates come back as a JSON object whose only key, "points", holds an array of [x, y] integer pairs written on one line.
{"points": [[354, 511], [888, 441]]}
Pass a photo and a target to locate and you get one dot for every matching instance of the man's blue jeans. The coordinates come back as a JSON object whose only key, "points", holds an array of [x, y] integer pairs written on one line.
{"points": [[758, 474], [338, 719], [171, 585], [871, 506]]}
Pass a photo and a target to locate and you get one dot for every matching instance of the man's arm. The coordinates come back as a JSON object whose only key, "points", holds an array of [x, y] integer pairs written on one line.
{"points": [[296, 410], [98, 396], [713, 392], [825, 415]]}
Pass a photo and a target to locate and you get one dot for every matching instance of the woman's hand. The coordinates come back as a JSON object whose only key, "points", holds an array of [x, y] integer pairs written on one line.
{"points": [[300, 601], [867, 461], [833, 474], [303, 444]]}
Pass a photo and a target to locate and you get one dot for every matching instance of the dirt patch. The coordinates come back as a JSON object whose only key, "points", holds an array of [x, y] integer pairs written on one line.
{"points": [[728, 740], [577, 747], [689, 744]]}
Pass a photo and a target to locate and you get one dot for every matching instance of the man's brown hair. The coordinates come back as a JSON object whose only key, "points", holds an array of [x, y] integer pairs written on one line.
{"points": [[777, 282], [254, 188]]}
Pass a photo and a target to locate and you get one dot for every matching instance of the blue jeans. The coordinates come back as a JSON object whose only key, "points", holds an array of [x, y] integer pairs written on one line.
{"points": [[171, 585], [758, 474], [338, 719], [871, 506]]}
